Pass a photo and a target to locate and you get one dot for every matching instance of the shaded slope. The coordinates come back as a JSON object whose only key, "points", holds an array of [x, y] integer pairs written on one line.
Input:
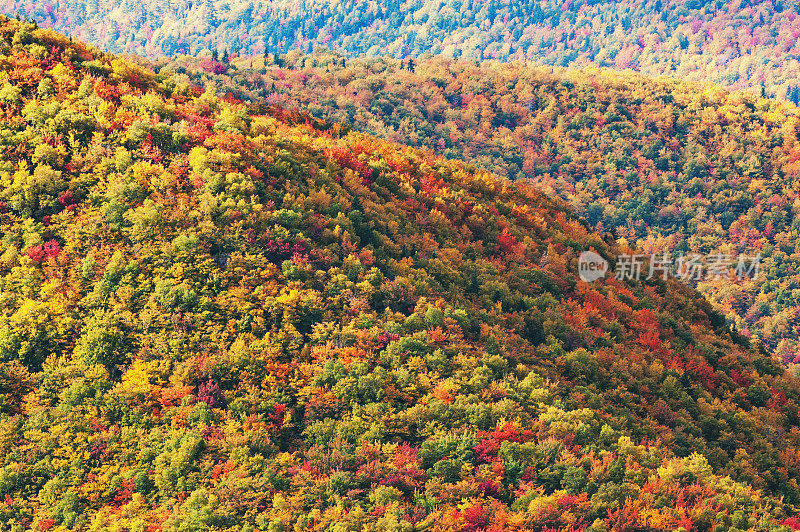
{"points": [[667, 165]]}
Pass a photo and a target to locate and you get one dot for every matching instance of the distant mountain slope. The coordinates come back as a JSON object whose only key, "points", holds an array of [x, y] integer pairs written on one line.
{"points": [[212, 318], [670, 166], [740, 43]]}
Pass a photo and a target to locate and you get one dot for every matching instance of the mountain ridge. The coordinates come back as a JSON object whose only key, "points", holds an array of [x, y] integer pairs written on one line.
{"points": [[669, 166], [740, 44]]}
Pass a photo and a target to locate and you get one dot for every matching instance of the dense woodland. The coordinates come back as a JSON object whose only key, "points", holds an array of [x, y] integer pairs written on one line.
{"points": [[219, 316], [749, 44], [668, 166]]}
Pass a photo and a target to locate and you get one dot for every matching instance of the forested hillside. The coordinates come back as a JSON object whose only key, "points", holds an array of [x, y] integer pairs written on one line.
{"points": [[215, 317], [669, 166], [749, 44]]}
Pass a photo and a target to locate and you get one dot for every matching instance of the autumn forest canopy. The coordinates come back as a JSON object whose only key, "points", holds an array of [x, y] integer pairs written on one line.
{"points": [[667, 166], [743, 44], [222, 314], [671, 167]]}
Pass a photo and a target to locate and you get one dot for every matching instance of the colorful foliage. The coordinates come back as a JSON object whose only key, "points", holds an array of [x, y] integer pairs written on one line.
{"points": [[667, 166], [739, 44], [239, 332]]}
